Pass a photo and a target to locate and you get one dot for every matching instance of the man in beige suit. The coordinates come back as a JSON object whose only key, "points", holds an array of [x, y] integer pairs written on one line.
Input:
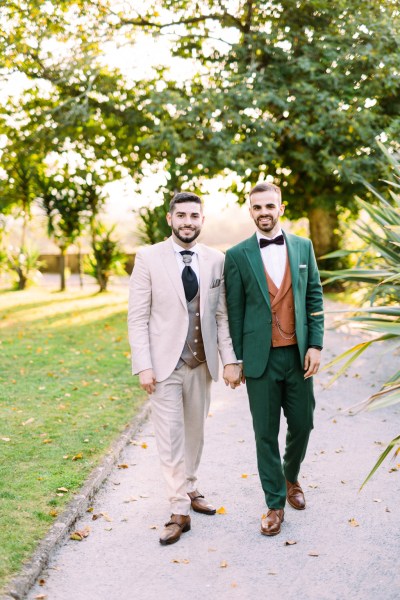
{"points": [[177, 323]]}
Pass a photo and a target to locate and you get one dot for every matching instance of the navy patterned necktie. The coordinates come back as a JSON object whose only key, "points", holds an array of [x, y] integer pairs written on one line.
{"points": [[189, 279]]}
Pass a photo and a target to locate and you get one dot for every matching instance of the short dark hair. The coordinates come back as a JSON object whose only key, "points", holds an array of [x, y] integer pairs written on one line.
{"points": [[181, 197], [264, 186]]}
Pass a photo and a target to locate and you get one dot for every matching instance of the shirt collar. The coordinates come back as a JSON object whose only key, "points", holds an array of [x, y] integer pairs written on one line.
{"points": [[178, 248]]}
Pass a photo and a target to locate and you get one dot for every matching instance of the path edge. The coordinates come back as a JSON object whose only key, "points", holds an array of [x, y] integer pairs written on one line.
{"points": [[20, 585]]}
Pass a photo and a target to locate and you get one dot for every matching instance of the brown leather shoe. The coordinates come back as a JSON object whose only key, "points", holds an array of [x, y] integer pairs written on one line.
{"points": [[295, 495], [199, 504], [271, 522], [173, 530]]}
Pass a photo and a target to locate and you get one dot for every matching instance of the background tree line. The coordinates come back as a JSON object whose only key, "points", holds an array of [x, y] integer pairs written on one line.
{"points": [[298, 91]]}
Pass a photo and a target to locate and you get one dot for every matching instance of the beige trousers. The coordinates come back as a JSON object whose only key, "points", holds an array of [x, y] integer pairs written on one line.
{"points": [[179, 407]]}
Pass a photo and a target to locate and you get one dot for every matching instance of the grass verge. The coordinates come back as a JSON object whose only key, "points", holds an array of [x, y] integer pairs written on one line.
{"points": [[66, 393]]}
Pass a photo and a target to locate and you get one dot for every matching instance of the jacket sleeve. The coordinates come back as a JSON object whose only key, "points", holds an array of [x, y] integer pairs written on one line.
{"points": [[235, 299], [314, 303], [139, 314], [225, 346]]}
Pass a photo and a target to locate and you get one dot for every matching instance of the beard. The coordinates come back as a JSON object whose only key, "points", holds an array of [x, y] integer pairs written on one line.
{"points": [[188, 237], [269, 226]]}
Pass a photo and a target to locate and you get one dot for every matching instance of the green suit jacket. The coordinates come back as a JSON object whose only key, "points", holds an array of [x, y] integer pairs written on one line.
{"points": [[249, 308]]}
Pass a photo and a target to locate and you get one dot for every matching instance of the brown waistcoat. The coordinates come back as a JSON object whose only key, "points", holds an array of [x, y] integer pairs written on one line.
{"points": [[193, 351], [282, 307]]}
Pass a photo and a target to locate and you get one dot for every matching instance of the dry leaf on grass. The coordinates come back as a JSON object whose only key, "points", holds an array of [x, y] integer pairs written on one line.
{"points": [[78, 456]]}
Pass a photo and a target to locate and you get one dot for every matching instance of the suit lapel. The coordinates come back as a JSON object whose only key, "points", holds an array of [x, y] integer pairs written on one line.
{"points": [[169, 261], [205, 275], [294, 257], [253, 254]]}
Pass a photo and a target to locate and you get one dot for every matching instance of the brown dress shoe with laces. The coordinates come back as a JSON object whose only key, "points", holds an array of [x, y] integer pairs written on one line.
{"points": [[295, 495], [173, 530], [271, 522], [200, 505]]}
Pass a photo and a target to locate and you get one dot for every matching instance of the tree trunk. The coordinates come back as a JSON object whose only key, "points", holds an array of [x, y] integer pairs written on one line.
{"points": [[80, 266], [62, 268], [324, 230]]}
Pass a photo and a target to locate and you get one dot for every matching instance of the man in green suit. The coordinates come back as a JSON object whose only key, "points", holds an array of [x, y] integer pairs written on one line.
{"points": [[273, 292]]}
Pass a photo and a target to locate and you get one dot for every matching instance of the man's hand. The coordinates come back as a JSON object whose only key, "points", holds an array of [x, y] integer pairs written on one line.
{"points": [[147, 381], [311, 362], [233, 375]]}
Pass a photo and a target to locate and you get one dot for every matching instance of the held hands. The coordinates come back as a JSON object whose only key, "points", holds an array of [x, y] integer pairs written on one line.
{"points": [[311, 362], [147, 381], [233, 375]]}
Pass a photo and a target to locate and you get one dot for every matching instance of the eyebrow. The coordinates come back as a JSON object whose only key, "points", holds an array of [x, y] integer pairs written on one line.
{"points": [[193, 214]]}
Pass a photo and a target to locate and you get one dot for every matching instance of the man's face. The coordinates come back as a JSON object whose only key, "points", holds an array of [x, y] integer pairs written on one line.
{"points": [[186, 222], [265, 210]]}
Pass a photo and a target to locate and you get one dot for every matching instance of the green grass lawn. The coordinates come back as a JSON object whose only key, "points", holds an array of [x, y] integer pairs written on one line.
{"points": [[66, 393]]}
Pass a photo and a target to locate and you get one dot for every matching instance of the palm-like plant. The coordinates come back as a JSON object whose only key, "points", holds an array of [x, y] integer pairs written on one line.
{"points": [[378, 271]]}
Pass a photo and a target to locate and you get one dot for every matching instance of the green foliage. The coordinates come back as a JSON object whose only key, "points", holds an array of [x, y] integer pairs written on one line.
{"points": [[106, 258], [295, 90], [381, 277]]}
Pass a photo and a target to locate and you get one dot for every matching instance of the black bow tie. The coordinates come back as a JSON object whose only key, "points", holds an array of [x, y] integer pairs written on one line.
{"points": [[278, 240]]}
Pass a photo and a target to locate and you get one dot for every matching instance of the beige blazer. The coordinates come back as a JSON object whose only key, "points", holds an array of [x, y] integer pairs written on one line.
{"points": [[158, 318]]}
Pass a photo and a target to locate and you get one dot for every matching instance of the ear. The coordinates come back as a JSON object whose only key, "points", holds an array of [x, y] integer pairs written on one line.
{"points": [[169, 219], [282, 209]]}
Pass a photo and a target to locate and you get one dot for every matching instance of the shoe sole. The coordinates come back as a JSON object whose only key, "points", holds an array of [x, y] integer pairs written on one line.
{"points": [[205, 512], [295, 507]]}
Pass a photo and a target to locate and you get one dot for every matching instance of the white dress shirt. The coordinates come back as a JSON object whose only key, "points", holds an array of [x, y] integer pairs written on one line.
{"points": [[274, 259], [179, 258]]}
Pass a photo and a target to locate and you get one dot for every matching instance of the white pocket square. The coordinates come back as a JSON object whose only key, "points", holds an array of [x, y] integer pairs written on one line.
{"points": [[303, 266]]}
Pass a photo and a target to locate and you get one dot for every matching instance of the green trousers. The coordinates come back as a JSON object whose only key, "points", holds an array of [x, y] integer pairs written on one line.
{"points": [[281, 386]]}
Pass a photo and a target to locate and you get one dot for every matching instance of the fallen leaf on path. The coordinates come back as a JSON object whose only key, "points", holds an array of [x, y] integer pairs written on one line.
{"points": [[312, 553], [144, 496], [343, 481], [272, 573], [377, 500], [221, 511], [132, 499], [153, 527], [387, 509], [312, 486], [144, 445], [244, 475], [40, 597], [212, 549], [240, 441], [354, 523], [184, 561], [123, 466], [107, 528], [290, 543], [41, 581], [79, 535], [90, 509], [106, 516], [223, 564]]}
